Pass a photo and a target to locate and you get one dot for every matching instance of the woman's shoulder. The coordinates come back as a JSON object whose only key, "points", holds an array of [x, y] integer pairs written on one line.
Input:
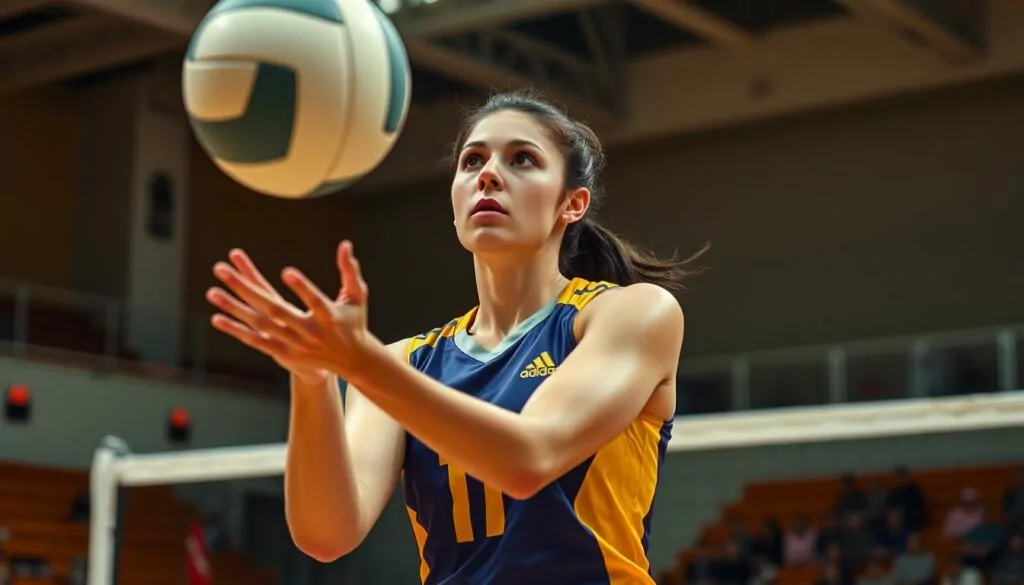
{"points": [[642, 304], [432, 338]]}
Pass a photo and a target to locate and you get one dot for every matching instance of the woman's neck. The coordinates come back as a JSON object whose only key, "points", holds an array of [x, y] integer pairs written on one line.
{"points": [[512, 289]]}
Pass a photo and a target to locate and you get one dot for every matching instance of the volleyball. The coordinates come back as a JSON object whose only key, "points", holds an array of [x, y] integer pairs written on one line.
{"points": [[296, 98]]}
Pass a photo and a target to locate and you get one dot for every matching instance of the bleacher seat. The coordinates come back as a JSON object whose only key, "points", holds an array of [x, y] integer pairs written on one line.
{"points": [[35, 507], [814, 498]]}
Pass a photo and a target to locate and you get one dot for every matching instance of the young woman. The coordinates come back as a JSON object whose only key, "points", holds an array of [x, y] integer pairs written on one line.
{"points": [[528, 432]]}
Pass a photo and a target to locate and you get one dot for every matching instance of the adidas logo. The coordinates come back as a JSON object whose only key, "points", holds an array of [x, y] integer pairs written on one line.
{"points": [[540, 367]]}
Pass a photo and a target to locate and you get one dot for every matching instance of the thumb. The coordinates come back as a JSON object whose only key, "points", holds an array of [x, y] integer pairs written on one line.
{"points": [[353, 287]]}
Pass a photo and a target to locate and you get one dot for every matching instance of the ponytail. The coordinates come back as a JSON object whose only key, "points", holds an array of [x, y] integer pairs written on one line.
{"points": [[592, 251]]}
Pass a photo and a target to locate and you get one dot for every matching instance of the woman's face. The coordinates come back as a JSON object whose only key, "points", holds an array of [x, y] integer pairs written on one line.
{"points": [[508, 191]]}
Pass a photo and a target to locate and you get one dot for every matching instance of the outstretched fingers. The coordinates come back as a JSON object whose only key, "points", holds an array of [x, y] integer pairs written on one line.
{"points": [[267, 344], [310, 295], [251, 319], [353, 287], [248, 269], [265, 302]]}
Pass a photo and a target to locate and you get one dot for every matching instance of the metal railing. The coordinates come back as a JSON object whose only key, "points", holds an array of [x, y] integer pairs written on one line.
{"points": [[931, 364], [41, 322], [91, 331]]}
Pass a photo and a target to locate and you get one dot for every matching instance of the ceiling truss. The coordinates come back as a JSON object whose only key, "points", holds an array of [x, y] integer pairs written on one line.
{"points": [[953, 29], [451, 17], [12, 8], [73, 48], [464, 40], [690, 17]]}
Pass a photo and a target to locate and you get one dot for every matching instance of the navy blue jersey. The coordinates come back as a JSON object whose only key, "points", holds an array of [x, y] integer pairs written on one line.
{"points": [[589, 527]]}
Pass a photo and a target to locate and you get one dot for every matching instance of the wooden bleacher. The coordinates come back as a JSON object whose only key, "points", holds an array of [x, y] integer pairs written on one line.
{"points": [[35, 507], [814, 498]]}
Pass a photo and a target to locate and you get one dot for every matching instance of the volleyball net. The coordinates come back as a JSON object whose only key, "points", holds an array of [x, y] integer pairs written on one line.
{"points": [[710, 459]]}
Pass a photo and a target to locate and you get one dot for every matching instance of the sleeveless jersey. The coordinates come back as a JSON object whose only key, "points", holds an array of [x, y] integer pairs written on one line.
{"points": [[589, 527]]}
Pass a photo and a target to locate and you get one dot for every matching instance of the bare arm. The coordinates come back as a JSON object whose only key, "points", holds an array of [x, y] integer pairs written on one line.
{"points": [[339, 474], [629, 346], [342, 466]]}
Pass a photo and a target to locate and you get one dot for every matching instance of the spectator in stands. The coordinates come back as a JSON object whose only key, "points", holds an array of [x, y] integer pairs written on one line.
{"points": [[216, 533], [982, 544], [893, 536], [834, 560], [856, 540], [852, 498], [739, 535], [1013, 503], [907, 497], [801, 543], [831, 574], [915, 566], [963, 517], [1009, 569], [874, 573], [877, 501], [957, 573], [732, 568], [762, 570], [768, 542], [80, 507], [828, 534], [701, 570]]}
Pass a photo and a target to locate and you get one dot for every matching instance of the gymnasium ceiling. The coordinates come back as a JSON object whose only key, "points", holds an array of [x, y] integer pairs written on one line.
{"points": [[581, 50]]}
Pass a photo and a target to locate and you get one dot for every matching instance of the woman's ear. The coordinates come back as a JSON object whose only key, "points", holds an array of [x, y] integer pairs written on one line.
{"points": [[577, 202]]}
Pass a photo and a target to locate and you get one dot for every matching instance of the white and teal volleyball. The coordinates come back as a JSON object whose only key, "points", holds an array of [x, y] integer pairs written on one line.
{"points": [[296, 98]]}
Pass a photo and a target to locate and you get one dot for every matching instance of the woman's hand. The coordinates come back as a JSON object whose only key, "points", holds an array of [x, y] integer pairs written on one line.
{"points": [[328, 336]]}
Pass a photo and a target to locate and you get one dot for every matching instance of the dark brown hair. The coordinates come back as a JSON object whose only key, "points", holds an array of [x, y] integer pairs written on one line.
{"points": [[589, 250]]}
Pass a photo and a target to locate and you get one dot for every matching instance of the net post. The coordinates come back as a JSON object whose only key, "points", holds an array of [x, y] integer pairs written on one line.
{"points": [[103, 527]]}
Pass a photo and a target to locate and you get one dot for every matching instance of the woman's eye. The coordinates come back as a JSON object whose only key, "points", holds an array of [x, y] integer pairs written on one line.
{"points": [[523, 158], [472, 160]]}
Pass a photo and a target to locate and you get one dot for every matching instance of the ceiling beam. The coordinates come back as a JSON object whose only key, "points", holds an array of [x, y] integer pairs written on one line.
{"points": [[471, 67], [451, 17], [180, 18], [686, 15], [935, 34], [11, 8], [461, 67], [473, 64], [75, 47], [604, 30]]}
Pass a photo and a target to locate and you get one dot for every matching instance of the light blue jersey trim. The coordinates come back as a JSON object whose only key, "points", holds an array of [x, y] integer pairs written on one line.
{"points": [[465, 342]]}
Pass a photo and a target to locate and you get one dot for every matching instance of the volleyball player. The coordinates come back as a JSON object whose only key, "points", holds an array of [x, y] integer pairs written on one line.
{"points": [[528, 432]]}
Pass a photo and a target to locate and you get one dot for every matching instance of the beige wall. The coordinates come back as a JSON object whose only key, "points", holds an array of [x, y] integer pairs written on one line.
{"points": [[894, 217], [38, 141], [889, 218]]}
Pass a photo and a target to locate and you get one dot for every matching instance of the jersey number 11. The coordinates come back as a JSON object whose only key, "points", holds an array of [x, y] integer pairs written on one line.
{"points": [[494, 506]]}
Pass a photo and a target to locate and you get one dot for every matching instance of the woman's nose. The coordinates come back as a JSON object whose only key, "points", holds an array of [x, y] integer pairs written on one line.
{"points": [[489, 179]]}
